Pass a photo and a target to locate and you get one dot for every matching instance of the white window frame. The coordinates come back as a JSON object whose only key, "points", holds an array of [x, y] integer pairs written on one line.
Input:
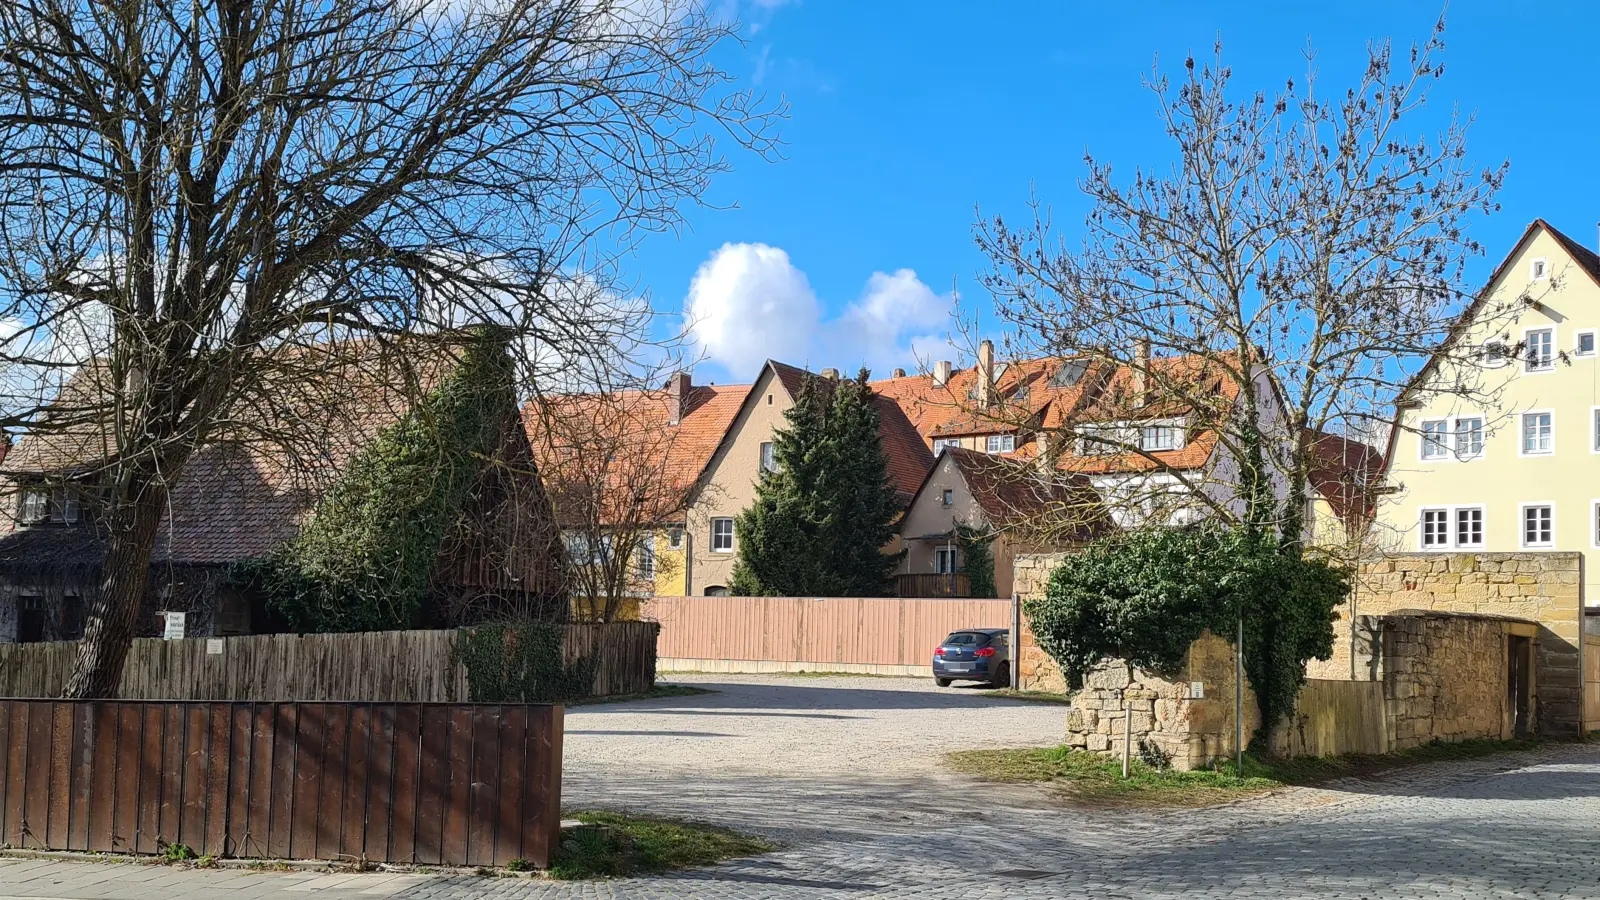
{"points": [[1594, 523], [34, 505], [1577, 338], [768, 452], [1455, 526], [943, 553], [1522, 433], [714, 523], [940, 444], [1497, 358], [1174, 426], [1422, 529], [1442, 445], [1527, 362], [1000, 443], [1522, 525], [644, 559], [1483, 436], [1538, 268]]}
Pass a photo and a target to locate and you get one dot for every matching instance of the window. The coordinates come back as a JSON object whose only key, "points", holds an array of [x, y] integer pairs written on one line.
{"points": [[72, 617], [1070, 372], [1538, 525], [1469, 527], [1469, 437], [674, 538], [1433, 438], [30, 619], [69, 506], [940, 444], [721, 536], [944, 560], [1584, 345], [769, 460], [584, 550], [34, 506], [1539, 269], [1594, 522], [644, 558], [1594, 434], [1161, 437], [1539, 352], [716, 590], [947, 498], [1494, 353], [1435, 529], [1099, 440], [1001, 443], [1538, 432]]}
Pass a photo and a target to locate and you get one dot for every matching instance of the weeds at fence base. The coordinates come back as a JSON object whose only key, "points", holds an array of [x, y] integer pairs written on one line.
{"points": [[615, 844]]}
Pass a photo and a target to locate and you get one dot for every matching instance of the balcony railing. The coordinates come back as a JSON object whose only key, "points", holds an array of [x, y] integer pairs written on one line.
{"points": [[933, 584]]}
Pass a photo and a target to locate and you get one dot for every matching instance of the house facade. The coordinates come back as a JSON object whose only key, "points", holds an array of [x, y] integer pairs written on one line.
{"points": [[1513, 463]]}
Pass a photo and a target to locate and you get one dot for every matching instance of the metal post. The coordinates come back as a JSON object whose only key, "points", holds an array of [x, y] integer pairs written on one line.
{"points": [[1016, 642], [1127, 722], [1238, 700]]}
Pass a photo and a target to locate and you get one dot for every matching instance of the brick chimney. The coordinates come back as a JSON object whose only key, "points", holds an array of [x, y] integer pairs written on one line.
{"points": [[831, 374], [677, 392], [941, 373], [899, 373], [1141, 369], [985, 395]]}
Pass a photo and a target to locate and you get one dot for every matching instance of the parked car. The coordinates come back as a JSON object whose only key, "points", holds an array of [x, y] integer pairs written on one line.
{"points": [[974, 654]]}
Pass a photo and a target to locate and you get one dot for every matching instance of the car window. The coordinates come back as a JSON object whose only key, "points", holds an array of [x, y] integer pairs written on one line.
{"points": [[962, 638]]}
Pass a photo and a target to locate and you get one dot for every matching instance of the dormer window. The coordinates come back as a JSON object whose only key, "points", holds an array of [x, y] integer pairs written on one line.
{"points": [[1161, 436], [1069, 372], [1001, 443]]}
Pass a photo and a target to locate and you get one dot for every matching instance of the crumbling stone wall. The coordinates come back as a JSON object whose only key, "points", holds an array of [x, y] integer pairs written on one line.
{"points": [[1546, 588], [1444, 678], [1191, 732], [1036, 671]]}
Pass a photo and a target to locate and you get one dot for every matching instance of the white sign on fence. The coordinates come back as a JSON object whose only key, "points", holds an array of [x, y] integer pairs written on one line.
{"points": [[213, 646], [1197, 690], [174, 629]]}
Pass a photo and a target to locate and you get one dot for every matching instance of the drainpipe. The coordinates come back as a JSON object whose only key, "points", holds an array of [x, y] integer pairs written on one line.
{"points": [[1016, 642]]}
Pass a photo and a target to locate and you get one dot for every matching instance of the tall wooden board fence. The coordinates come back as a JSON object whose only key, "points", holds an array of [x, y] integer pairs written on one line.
{"points": [[885, 634], [387, 666], [416, 783]]}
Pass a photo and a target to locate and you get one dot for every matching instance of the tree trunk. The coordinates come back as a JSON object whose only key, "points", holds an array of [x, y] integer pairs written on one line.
{"points": [[124, 578]]}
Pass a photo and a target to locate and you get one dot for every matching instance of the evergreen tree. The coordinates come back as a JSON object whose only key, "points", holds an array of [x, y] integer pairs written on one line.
{"points": [[818, 523]]}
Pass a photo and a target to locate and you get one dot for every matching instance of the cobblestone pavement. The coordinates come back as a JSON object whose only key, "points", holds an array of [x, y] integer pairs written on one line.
{"points": [[848, 779]]}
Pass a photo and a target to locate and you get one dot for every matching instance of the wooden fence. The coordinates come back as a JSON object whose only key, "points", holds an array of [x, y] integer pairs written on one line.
{"points": [[1333, 718], [407, 783], [887, 635], [381, 666]]}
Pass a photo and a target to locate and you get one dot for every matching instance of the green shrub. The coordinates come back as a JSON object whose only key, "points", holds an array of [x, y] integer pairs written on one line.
{"points": [[521, 662]]}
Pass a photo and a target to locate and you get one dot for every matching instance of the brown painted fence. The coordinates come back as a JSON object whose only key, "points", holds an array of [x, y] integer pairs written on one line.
{"points": [[383, 666], [412, 783], [865, 633]]}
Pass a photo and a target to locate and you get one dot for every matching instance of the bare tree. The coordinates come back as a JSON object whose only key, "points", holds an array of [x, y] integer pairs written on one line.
{"points": [[188, 190], [617, 481], [1303, 249]]}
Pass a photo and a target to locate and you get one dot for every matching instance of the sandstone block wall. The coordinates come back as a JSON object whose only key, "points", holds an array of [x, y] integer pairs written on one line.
{"points": [[1545, 588], [1444, 678], [1036, 671]]}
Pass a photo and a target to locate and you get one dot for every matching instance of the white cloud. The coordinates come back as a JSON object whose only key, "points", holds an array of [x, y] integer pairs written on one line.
{"points": [[749, 303]]}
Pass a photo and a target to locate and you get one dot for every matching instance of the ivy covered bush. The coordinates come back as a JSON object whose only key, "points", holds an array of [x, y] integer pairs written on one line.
{"points": [[521, 662], [1145, 596], [364, 558]]}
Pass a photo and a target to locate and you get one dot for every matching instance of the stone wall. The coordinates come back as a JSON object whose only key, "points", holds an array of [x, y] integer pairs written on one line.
{"points": [[1036, 671], [1444, 678], [1545, 588], [1192, 732]]}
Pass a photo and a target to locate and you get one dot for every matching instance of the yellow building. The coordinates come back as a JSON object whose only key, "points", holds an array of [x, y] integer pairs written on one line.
{"points": [[1496, 445]]}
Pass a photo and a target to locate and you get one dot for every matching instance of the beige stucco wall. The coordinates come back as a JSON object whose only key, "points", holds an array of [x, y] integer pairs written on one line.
{"points": [[730, 482], [929, 515], [1545, 588], [1502, 478]]}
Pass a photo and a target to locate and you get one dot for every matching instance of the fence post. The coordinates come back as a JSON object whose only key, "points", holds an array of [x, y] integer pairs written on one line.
{"points": [[1016, 642]]}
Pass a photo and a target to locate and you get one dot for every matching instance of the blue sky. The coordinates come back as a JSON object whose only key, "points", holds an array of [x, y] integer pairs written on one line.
{"points": [[905, 118]]}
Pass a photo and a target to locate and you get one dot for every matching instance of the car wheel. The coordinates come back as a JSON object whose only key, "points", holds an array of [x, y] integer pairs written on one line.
{"points": [[1002, 676], [942, 682]]}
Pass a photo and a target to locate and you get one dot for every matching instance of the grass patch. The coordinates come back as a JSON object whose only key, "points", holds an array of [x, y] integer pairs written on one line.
{"points": [[638, 845], [655, 693], [1096, 780]]}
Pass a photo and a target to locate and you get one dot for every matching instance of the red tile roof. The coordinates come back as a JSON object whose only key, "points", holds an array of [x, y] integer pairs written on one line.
{"points": [[1346, 473], [1011, 494]]}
